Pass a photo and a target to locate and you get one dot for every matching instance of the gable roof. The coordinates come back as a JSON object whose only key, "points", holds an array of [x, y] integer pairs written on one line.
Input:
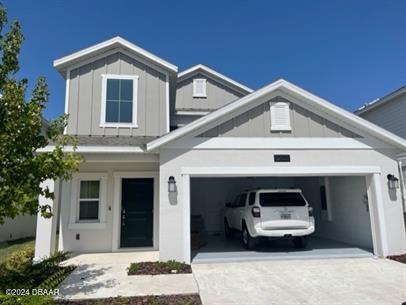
{"points": [[214, 74], [114, 43], [380, 101], [280, 87]]}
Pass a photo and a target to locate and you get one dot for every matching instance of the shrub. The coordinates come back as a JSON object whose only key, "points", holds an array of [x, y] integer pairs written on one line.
{"points": [[20, 260]]}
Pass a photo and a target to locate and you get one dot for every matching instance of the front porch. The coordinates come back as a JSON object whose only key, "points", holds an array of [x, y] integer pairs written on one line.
{"points": [[110, 205], [104, 275]]}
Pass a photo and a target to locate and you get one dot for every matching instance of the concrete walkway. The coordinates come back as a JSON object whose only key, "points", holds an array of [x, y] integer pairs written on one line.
{"points": [[104, 275], [355, 281]]}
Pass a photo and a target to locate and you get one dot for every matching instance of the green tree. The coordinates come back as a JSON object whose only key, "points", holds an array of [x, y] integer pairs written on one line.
{"points": [[23, 132]]}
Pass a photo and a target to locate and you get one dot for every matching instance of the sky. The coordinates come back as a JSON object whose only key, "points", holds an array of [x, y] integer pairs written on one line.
{"points": [[348, 52]]}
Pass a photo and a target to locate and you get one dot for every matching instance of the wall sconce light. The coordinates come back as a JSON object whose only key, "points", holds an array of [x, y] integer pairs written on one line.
{"points": [[171, 184], [393, 182]]}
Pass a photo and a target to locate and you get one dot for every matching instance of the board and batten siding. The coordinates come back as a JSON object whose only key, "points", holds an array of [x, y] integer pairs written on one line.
{"points": [[257, 123], [390, 115], [218, 95], [85, 94]]}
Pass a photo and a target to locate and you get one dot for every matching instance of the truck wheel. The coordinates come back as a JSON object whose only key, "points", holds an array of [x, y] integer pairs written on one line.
{"points": [[247, 240], [300, 242], [227, 230]]}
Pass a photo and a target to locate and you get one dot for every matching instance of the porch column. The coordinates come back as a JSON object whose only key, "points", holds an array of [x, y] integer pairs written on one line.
{"points": [[377, 211], [45, 241]]}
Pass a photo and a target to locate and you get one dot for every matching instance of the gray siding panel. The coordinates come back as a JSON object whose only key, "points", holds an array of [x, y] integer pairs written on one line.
{"points": [[390, 115], [85, 93], [218, 95], [257, 123]]}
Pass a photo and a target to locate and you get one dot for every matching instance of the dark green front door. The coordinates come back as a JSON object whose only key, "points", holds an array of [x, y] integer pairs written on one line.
{"points": [[137, 201]]}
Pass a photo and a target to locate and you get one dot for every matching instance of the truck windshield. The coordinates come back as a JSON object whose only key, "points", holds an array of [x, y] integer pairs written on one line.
{"points": [[281, 199]]}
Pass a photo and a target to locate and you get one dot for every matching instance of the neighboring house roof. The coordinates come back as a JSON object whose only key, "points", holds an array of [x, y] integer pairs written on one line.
{"points": [[280, 87], [113, 43], [380, 101], [214, 74]]}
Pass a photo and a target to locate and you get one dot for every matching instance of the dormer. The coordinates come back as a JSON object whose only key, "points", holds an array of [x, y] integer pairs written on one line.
{"points": [[201, 90], [115, 88]]}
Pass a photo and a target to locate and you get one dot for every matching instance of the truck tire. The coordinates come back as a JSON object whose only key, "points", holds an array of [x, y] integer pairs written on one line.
{"points": [[227, 230], [247, 240], [300, 242]]}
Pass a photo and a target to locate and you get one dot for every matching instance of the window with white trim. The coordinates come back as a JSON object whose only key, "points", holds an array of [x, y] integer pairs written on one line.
{"points": [[89, 200], [119, 100], [199, 87], [280, 116]]}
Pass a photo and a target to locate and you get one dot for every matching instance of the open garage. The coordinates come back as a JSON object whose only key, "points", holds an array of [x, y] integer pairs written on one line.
{"points": [[340, 208]]}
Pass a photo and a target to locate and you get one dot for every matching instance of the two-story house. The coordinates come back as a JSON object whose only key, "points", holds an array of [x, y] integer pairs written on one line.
{"points": [[161, 145]]}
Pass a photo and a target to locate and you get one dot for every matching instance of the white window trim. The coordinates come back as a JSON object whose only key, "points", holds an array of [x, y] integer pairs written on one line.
{"points": [[195, 94], [74, 222], [103, 122], [280, 127]]}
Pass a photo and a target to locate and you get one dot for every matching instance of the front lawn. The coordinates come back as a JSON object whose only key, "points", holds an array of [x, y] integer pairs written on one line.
{"points": [[192, 299], [8, 247], [155, 268]]}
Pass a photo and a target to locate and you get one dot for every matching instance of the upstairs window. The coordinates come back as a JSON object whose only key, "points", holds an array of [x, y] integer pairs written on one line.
{"points": [[199, 87], [280, 116], [119, 101]]}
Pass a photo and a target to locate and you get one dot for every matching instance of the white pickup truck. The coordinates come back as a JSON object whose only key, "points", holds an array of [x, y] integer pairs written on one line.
{"points": [[270, 213]]}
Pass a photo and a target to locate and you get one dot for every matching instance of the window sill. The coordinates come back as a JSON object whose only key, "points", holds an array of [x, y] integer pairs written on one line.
{"points": [[112, 125], [87, 225], [276, 129]]}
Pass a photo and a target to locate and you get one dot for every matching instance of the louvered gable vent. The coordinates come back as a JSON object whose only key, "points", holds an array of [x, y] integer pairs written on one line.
{"points": [[280, 116], [199, 87]]}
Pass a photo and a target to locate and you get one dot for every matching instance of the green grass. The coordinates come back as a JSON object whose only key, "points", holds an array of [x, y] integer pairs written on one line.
{"points": [[9, 247]]}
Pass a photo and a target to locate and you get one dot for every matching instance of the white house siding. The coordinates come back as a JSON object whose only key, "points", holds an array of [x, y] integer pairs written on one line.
{"points": [[173, 238], [19, 227], [95, 240], [85, 97]]}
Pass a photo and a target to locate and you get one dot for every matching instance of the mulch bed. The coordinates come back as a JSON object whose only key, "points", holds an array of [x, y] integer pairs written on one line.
{"points": [[399, 258], [155, 268], [189, 299]]}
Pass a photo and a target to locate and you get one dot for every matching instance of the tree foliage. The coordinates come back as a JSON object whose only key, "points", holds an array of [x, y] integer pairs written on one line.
{"points": [[23, 132]]}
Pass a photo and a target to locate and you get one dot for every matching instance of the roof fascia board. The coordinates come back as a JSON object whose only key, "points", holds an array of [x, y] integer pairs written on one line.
{"points": [[221, 115], [216, 75], [356, 123], [114, 51], [115, 42]]}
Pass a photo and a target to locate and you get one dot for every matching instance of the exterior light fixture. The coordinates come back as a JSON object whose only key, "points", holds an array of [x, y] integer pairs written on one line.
{"points": [[393, 182], [171, 184]]}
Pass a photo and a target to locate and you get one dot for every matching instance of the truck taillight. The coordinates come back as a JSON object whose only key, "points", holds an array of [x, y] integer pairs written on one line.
{"points": [[310, 211], [256, 212]]}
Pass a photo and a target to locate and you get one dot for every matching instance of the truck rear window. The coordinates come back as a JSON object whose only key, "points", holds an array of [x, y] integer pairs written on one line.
{"points": [[281, 199]]}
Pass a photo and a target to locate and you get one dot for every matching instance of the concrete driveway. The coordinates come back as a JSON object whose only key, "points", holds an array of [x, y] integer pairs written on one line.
{"points": [[326, 282]]}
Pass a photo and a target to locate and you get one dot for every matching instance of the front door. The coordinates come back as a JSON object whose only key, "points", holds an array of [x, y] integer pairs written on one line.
{"points": [[137, 201]]}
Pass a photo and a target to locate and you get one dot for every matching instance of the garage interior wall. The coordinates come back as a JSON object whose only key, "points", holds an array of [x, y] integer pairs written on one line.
{"points": [[349, 221]]}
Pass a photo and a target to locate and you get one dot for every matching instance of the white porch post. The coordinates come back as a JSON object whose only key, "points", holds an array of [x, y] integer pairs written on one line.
{"points": [[45, 241], [377, 211]]}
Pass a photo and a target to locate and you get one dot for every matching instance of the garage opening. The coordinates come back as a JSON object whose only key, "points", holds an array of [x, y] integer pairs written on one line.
{"points": [[342, 225]]}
